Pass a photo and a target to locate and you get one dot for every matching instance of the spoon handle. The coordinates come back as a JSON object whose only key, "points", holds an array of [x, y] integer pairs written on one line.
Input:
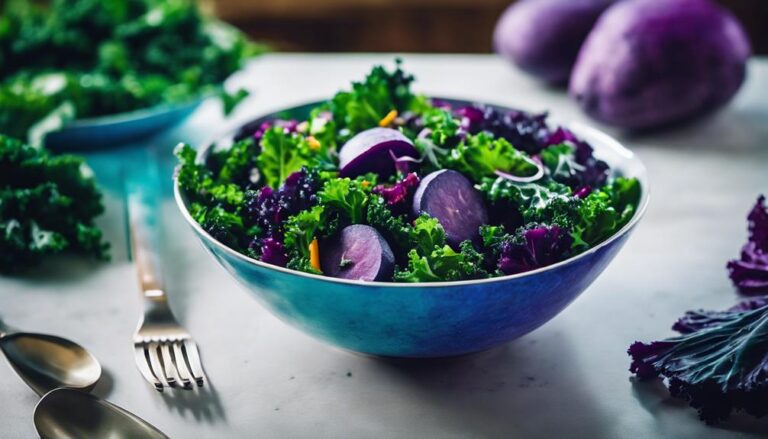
{"points": [[142, 185]]}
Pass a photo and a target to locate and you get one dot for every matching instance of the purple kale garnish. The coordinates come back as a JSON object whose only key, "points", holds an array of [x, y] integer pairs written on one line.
{"points": [[716, 369], [269, 209], [576, 165], [533, 247], [399, 195], [272, 251], [750, 272], [526, 132]]}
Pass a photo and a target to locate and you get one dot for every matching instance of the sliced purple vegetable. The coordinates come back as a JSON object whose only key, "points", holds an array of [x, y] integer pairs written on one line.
{"points": [[453, 200], [373, 151], [358, 252]]}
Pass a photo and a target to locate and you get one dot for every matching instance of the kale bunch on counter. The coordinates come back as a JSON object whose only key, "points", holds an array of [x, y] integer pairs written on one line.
{"points": [[47, 206], [86, 58], [719, 363]]}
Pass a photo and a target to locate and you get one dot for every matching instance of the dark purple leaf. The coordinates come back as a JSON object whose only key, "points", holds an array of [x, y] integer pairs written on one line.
{"points": [[534, 247], [526, 132], [719, 364], [400, 195], [750, 272]]}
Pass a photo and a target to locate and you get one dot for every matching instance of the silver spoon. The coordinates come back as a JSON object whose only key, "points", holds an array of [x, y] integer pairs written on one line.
{"points": [[47, 362], [72, 414]]}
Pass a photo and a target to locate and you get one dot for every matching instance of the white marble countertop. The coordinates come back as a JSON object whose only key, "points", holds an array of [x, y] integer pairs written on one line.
{"points": [[566, 379]]}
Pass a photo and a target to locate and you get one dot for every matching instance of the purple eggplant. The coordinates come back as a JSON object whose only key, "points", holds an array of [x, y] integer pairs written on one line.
{"points": [[450, 197], [358, 252], [374, 150]]}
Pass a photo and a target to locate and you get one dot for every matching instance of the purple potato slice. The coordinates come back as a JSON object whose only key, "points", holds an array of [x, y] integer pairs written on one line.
{"points": [[358, 252], [374, 150], [451, 198]]}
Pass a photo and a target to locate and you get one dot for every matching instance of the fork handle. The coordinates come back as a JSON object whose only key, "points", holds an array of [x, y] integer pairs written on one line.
{"points": [[145, 224]]}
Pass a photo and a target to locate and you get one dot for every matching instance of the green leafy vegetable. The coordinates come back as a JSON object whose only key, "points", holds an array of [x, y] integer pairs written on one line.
{"points": [[111, 56], [372, 99], [481, 155], [443, 264], [431, 260], [604, 212], [47, 206], [283, 153], [349, 197]]}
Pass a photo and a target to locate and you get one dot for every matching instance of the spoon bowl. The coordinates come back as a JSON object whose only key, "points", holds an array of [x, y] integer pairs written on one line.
{"points": [[69, 413], [47, 362]]}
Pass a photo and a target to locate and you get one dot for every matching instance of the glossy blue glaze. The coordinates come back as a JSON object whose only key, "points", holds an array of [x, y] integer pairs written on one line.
{"points": [[109, 131], [428, 319]]}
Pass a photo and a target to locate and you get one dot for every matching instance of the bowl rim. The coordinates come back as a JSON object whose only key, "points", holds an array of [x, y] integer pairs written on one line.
{"points": [[578, 127], [133, 115]]}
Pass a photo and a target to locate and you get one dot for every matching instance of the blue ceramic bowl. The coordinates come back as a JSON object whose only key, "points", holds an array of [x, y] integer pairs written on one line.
{"points": [[109, 131], [426, 319]]}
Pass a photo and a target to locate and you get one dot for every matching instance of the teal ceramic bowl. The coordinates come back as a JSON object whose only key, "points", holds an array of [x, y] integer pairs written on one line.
{"points": [[113, 130], [422, 320]]}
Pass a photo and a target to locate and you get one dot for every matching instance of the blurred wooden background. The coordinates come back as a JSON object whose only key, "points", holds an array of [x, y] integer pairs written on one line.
{"points": [[402, 25]]}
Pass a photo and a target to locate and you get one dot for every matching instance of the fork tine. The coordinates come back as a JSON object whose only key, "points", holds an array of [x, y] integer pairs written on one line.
{"points": [[169, 369], [193, 358], [155, 365], [181, 365], [142, 362]]}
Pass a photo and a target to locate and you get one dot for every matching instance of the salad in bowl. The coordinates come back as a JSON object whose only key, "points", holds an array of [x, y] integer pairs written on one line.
{"points": [[390, 223], [381, 184]]}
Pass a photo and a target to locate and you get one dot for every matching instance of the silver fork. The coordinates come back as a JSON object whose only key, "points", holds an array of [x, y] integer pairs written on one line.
{"points": [[165, 352]]}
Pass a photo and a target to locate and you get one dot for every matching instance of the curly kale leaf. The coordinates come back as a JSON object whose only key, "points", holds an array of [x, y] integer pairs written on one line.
{"points": [[396, 231], [479, 156], [602, 213], [530, 247], [47, 206], [750, 272], [716, 369], [535, 202], [370, 100], [431, 260], [283, 152], [349, 197], [111, 56], [443, 264]]}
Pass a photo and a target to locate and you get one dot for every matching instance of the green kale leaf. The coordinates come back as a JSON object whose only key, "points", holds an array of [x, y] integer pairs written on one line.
{"points": [[480, 156], [370, 100], [431, 260], [47, 206]]}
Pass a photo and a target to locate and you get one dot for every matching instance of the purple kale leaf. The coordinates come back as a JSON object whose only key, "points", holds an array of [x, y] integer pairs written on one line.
{"points": [[272, 251], [694, 321], [533, 247], [526, 132], [399, 195], [575, 164], [269, 209], [716, 368], [750, 272]]}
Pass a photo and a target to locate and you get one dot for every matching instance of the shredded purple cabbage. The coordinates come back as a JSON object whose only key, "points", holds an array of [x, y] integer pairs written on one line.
{"points": [[536, 247], [400, 195], [750, 272]]}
